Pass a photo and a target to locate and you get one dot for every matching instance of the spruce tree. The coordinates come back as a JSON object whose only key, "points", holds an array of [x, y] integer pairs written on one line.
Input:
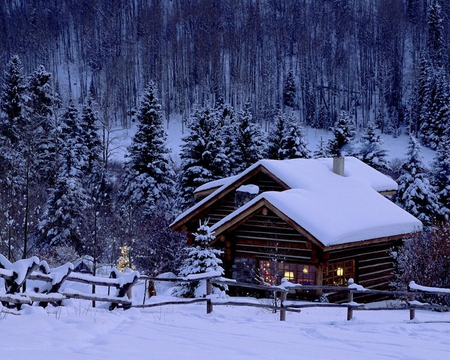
{"points": [[293, 144], [370, 149], [343, 135], [321, 149], [13, 101], [276, 135], [415, 193], [249, 141], [201, 258], [63, 221], [441, 177], [289, 90], [435, 41], [149, 177], [203, 156]]}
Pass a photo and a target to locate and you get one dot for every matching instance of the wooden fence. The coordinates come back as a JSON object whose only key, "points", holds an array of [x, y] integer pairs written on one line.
{"points": [[16, 274], [280, 296]]}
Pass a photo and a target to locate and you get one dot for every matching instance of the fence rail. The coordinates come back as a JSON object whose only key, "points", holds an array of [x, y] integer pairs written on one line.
{"points": [[31, 269]]}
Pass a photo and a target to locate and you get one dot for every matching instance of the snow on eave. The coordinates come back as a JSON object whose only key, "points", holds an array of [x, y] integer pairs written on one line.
{"points": [[215, 184]]}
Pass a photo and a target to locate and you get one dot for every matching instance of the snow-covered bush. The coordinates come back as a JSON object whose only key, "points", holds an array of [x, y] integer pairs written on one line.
{"points": [[425, 259]]}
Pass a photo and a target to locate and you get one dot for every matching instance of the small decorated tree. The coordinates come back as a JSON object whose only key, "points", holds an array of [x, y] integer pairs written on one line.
{"points": [[201, 258], [124, 261]]}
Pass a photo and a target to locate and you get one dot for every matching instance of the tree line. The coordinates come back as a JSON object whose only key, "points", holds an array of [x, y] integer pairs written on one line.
{"points": [[362, 56]]}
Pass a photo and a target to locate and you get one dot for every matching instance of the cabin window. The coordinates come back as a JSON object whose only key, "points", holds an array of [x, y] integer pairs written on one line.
{"points": [[272, 272], [337, 274]]}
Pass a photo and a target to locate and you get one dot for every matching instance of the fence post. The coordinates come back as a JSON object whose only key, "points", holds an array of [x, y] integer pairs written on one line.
{"points": [[350, 308], [282, 311], [209, 306], [412, 310]]}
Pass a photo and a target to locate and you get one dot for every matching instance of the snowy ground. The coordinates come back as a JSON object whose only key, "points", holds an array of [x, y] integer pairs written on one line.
{"points": [[79, 331]]}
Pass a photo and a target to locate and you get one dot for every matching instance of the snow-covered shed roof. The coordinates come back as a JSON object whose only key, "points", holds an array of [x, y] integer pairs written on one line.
{"points": [[334, 210]]}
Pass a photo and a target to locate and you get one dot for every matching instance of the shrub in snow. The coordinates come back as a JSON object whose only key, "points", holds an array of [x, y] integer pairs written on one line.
{"points": [[201, 258], [424, 259]]}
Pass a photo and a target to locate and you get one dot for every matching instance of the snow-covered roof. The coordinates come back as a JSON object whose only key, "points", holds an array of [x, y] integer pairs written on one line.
{"points": [[298, 173], [288, 170]]}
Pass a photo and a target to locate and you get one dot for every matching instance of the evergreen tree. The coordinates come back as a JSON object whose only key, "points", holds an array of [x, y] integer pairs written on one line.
{"points": [[344, 133], [433, 83], [441, 177], [62, 224], [41, 102], [226, 119], [249, 141], [435, 40], [371, 151], [23, 120], [321, 150], [13, 101], [439, 119], [149, 177], [425, 99], [276, 135], [293, 144], [289, 90], [415, 193], [91, 139], [201, 258], [203, 158]]}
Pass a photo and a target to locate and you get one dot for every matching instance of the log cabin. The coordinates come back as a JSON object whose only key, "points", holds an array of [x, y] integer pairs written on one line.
{"points": [[311, 221]]}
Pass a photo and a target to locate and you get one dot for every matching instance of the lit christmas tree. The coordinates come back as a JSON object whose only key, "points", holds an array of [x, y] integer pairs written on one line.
{"points": [[124, 261]]}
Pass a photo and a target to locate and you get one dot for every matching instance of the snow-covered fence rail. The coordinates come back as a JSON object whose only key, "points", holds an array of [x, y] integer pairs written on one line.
{"points": [[49, 281], [280, 293]]}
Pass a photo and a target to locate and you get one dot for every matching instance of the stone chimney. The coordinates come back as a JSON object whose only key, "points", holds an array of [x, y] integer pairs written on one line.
{"points": [[338, 164]]}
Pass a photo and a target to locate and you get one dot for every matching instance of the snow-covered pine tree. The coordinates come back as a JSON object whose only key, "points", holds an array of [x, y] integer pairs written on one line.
{"points": [[63, 220], [201, 258], [343, 135], [23, 120], [226, 118], [289, 90], [370, 149], [293, 144], [439, 118], [424, 101], [13, 101], [41, 105], [415, 193], [276, 135], [435, 40], [89, 132], [441, 177], [203, 156], [433, 82], [321, 149], [149, 176], [249, 142]]}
